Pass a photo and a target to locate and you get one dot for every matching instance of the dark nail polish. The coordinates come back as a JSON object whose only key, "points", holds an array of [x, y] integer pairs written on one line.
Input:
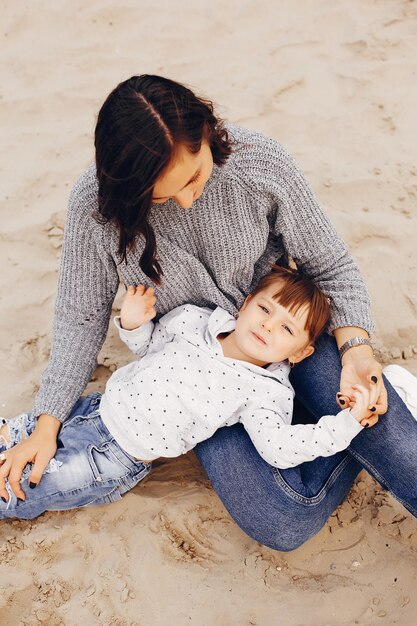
{"points": [[20, 499], [373, 409], [367, 425], [4, 499], [374, 379], [338, 394], [342, 401], [33, 485]]}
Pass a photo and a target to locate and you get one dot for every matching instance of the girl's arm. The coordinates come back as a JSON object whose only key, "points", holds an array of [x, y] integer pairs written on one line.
{"points": [[134, 322], [137, 339], [286, 445]]}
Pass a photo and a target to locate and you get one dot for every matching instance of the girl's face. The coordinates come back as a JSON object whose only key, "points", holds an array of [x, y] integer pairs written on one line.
{"points": [[266, 332], [185, 178]]}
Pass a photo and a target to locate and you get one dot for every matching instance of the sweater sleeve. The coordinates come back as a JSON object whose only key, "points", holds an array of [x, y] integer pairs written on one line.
{"points": [[87, 286], [306, 232], [286, 445]]}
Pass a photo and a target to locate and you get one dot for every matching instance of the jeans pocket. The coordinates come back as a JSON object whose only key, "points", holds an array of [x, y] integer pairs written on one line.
{"points": [[108, 463]]}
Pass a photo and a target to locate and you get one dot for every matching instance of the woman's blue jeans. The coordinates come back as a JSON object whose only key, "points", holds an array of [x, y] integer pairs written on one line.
{"points": [[284, 508]]}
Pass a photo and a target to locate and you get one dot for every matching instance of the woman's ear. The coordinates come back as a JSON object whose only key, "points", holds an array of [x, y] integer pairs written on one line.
{"points": [[301, 354]]}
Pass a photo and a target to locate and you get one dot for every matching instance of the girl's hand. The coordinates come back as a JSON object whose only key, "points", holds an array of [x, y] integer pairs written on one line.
{"points": [[39, 448], [363, 369], [360, 403], [138, 307]]}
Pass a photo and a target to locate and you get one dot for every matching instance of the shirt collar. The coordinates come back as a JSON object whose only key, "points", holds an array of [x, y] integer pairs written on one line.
{"points": [[220, 321]]}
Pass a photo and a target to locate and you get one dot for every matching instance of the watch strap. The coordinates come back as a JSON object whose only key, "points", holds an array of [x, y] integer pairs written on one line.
{"points": [[352, 343]]}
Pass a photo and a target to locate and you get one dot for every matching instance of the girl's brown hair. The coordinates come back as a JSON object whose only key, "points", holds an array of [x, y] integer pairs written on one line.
{"points": [[139, 127], [295, 291]]}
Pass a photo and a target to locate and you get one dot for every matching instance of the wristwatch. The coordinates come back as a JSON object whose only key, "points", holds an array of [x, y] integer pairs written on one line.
{"points": [[352, 343]]}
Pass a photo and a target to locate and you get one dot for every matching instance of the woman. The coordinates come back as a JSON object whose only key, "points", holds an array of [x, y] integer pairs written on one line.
{"points": [[179, 202]]}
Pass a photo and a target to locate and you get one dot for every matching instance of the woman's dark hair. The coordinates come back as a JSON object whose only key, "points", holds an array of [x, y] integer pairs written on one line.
{"points": [[139, 127]]}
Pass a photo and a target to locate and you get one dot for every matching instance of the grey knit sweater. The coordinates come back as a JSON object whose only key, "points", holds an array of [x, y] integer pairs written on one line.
{"points": [[255, 209]]}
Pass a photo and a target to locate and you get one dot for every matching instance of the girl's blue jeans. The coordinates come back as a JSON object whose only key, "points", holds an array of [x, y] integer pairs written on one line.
{"points": [[279, 508], [89, 467]]}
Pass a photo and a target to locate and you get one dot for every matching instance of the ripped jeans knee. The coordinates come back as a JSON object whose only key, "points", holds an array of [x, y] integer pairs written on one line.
{"points": [[89, 467], [15, 430]]}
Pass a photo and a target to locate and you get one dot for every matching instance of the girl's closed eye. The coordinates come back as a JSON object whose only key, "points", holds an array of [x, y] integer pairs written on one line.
{"points": [[264, 309], [288, 329]]}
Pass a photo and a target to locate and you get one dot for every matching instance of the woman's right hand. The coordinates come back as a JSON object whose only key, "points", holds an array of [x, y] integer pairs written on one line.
{"points": [[39, 448]]}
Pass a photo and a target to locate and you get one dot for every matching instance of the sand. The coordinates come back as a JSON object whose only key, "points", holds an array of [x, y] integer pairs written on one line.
{"points": [[335, 83]]}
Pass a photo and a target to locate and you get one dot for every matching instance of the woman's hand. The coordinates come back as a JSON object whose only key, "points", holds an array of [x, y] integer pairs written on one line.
{"points": [[361, 368], [39, 448], [138, 307]]}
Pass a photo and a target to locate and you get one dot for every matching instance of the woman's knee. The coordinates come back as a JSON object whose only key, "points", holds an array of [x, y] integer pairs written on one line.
{"points": [[283, 531], [262, 507]]}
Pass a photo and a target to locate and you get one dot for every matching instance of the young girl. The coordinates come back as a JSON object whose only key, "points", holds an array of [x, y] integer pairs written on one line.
{"points": [[199, 370]]}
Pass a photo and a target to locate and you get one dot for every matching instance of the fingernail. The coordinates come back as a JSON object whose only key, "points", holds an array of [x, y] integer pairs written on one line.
{"points": [[33, 485], [20, 499], [4, 499], [374, 379], [338, 394], [367, 425], [342, 401], [373, 409]]}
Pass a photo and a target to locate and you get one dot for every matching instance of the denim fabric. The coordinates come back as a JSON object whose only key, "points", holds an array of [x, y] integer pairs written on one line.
{"points": [[284, 508], [89, 467], [279, 508], [388, 450]]}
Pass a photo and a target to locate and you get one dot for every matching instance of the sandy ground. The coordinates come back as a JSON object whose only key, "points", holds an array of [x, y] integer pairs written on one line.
{"points": [[334, 81]]}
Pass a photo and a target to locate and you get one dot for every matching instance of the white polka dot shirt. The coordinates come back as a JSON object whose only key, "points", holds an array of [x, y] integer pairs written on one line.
{"points": [[182, 389]]}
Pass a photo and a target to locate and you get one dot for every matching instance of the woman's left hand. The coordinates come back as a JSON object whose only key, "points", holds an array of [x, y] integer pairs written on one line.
{"points": [[363, 369]]}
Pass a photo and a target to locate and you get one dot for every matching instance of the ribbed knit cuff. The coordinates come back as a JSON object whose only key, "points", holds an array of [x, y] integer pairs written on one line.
{"points": [[55, 405], [358, 316]]}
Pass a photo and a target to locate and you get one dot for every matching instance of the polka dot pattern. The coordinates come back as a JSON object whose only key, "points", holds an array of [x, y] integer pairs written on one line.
{"points": [[183, 389]]}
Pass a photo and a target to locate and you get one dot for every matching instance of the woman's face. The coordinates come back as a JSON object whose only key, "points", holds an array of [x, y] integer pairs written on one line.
{"points": [[185, 178]]}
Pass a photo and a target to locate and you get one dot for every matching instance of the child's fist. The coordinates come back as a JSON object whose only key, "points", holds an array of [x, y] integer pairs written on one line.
{"points": [[359, 407], [138, 307]]}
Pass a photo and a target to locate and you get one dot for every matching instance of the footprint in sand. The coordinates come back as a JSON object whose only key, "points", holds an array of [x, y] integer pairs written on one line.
{"points": [[392, 521], [388, 355], [55, 229], [193, 537], [32, 351]]}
